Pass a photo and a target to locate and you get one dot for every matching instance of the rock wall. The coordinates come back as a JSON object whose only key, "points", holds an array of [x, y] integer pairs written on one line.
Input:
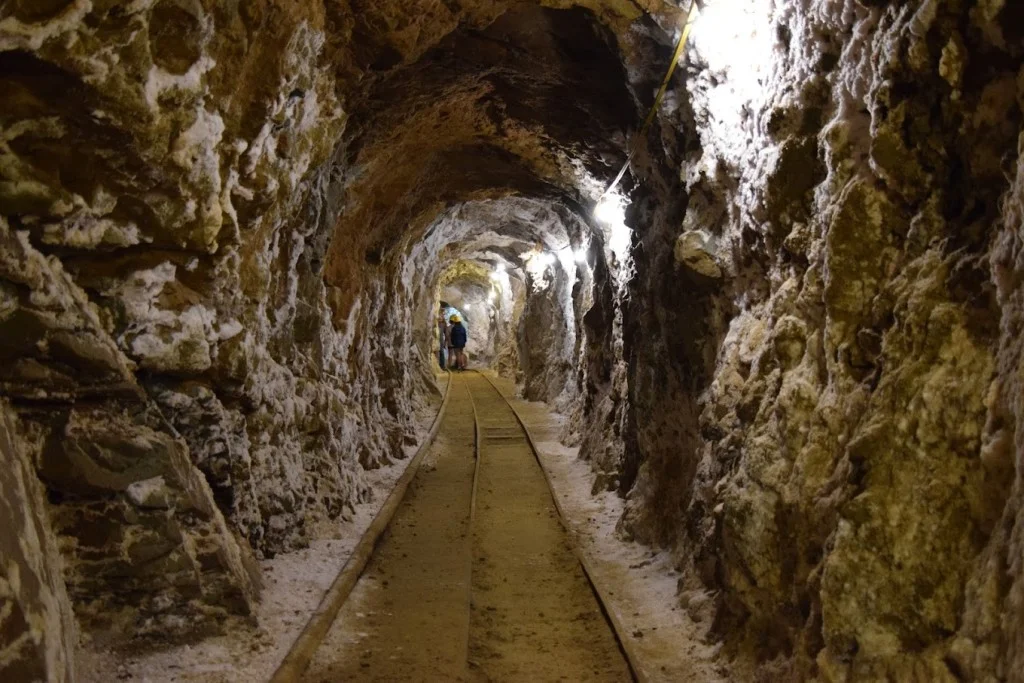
{"points": [[145, 546], [222, 227], [167, 334], [546, 337], [219, 226], [822, 383], [37, 626], [992, 635]]}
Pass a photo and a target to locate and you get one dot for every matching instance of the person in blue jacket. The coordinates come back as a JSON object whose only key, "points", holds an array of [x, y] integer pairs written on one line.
{"points": [[457, 339]]}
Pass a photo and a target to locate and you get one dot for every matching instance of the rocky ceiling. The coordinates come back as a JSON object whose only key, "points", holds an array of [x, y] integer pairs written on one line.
{"points": [[530, 105]]}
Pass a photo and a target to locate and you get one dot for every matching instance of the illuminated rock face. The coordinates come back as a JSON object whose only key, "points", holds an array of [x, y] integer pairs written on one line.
{"points": [[225, 228], [828, 430]]}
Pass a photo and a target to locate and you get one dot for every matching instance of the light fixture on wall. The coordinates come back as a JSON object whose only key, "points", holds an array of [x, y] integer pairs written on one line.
{"points": [[501, 284], [611, 214], [696, 6], [537, 262], [543, 259], [611, 209]]}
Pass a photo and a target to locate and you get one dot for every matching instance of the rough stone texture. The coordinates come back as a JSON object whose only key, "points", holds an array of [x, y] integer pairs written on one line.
{"points": [[157, 166], [220, 225], [132, 512], [825, 425], [547, 336], [37, 631], [992, 634], [97, 457], [224, 228]]}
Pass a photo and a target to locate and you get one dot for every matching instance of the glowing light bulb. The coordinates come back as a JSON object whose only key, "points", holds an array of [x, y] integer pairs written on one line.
{"points": [[611, 213], [581, 255], [611, 209]]}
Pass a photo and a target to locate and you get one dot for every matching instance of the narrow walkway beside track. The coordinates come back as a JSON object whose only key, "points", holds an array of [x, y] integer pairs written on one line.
{"points": [[473, 591]]}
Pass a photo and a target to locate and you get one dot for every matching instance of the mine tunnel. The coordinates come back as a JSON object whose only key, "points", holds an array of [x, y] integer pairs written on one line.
{"points": [[742, 287]]}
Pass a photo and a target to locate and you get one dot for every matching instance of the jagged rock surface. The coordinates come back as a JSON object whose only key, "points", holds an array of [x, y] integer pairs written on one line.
{"points": [[218, 220], [223, 227], [825, 424], [38, 627]]}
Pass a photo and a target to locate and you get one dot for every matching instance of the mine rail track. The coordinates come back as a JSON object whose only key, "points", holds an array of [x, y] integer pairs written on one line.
{"points": [[299, 657]]}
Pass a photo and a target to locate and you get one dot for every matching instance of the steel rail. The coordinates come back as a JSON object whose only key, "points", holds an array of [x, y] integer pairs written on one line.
{"points": [[617, 628], [301, 654]]}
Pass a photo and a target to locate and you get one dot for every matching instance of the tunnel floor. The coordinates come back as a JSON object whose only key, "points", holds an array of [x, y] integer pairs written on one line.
{"points": [[454, 593]]}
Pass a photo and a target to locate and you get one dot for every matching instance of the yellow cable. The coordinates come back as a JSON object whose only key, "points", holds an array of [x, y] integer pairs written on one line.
{"points": [[691, 16]]}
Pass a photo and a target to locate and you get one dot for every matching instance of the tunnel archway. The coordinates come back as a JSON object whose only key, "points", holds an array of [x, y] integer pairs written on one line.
{"points": [[466, 122], [251, 247], [794, 360]]}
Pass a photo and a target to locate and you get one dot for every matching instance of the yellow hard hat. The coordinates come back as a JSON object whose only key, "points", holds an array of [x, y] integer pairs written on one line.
{"points": [[455, 319]]}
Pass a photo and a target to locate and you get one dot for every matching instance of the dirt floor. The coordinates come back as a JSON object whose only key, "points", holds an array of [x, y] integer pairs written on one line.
{"points": [[408, 617], [500, 599], [640, 586], [534, 615], [513, 514]]}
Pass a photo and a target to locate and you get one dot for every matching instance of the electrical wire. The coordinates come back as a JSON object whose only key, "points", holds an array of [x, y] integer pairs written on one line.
{"points": [[691, 17]]}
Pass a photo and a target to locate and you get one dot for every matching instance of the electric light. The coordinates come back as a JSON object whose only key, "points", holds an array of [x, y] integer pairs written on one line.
{"points": [[537, 264], [541, 259], [734, 33], [610, 209], [734, 38], [581, 255], [611, 213]]}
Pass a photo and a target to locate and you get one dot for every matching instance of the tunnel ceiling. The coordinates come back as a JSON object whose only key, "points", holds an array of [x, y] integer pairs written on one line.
{"points": [[507, 228], [530, 105]]}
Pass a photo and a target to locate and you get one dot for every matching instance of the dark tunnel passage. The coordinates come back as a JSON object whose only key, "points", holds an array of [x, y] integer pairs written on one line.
{"points": [[772, 378]]}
